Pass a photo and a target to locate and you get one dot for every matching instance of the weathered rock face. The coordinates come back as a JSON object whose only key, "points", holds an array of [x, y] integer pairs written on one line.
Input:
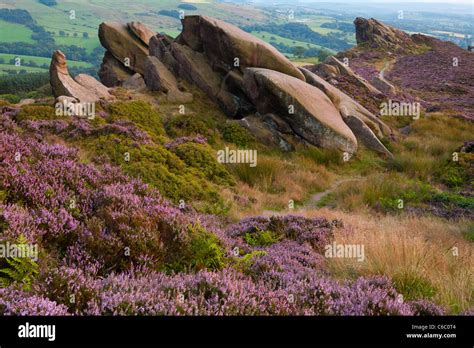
{"points": [[306, 109], [85, 88], [159, 78], [270, 130], [345, 103], [141, 31], [222, 43], [378, 35], [93, 86], [193, 67], [366, 127], [345, 79], [124, 45], [112, 73]]}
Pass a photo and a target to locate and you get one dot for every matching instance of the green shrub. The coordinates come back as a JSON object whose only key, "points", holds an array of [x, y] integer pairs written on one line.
{"points": [[457, 174], [201, 157], [37, 112], [454, 199], [246, 261], [140, 113], [202, 251], [187, 125], [11, 98], [236, 134]]}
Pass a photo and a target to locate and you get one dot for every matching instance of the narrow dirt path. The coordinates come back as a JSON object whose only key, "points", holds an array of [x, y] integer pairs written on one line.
{"points": [[316, 198], [312, 202]]}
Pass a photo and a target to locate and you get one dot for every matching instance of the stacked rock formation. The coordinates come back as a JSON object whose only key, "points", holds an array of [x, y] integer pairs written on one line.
{"points": [[249, 79]]}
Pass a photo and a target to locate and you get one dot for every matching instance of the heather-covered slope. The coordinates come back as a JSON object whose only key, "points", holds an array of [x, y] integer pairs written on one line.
{"points": [[436, 73], [110, 242]]}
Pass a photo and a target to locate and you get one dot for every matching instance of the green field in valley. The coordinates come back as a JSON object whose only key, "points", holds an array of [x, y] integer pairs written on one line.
{"points": [[12, 32]]}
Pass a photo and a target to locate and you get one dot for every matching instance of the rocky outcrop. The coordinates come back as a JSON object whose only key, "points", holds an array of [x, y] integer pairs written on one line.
{"points": [[249, 79], [366, 126], [84, 88], [375, 34], [126, 47], [305, 108], [135, 83]]}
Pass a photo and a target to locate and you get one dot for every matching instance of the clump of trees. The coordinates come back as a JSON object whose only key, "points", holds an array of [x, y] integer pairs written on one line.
{"points": [[48, 2]]}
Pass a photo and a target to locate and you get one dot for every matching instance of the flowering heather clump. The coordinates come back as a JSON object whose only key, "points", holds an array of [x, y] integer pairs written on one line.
{"points": [[316, 231], [16, 302], [424, 307], [205, 293], [199, 139], [78, 127]]}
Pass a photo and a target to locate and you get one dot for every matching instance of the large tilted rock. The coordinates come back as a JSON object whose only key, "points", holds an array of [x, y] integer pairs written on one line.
{"points": [[306, 109], [85, 88], [125, 46], [366, 126], [113, 73], [223, 43], [141, 31]]}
